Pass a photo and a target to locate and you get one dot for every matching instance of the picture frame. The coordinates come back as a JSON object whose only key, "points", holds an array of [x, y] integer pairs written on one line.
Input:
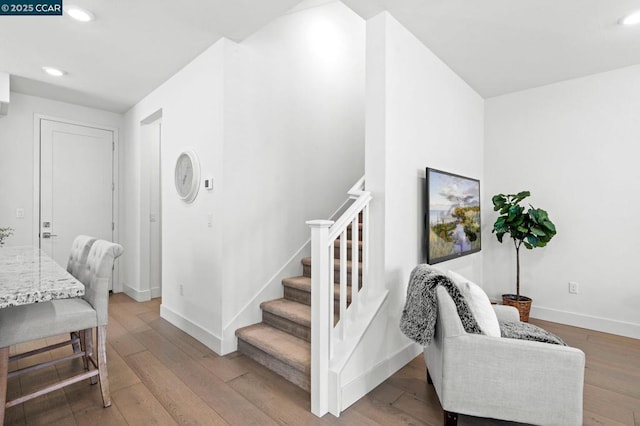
{"points": [[453, 221]]}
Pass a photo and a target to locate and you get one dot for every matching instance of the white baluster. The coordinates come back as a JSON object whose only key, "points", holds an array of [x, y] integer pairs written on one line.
{"points": [[343, 284], [365, 249], [355, 267]]}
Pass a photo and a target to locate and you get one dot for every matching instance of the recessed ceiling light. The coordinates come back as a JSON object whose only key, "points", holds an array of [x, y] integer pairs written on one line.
{"points": [[53, 71], [79, 14], [631, 19]]}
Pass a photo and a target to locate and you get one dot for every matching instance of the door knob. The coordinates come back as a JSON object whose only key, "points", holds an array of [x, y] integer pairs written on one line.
{"points": [[48, 235]]}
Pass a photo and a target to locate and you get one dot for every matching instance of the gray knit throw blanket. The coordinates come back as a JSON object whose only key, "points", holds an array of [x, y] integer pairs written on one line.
{"points": [[418, 320]]}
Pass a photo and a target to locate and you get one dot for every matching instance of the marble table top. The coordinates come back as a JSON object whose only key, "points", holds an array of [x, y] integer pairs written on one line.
{"points": [[28, 275]]}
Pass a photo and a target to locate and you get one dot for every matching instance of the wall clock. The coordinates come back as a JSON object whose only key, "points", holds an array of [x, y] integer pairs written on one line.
{"points": [[187, 176]]}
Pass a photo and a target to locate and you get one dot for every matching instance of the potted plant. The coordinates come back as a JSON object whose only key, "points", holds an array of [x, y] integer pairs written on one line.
{"points": [[4, 234], [531, 227]]}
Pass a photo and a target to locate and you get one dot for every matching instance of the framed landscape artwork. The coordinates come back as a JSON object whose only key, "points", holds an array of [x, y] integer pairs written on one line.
{"points": [[453, 221]]}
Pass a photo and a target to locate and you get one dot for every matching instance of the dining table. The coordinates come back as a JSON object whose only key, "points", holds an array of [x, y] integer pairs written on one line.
{"points": [[29, 275]]}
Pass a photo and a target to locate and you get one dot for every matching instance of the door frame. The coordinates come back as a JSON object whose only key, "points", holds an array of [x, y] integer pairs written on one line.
{"points": [[144, 292], [37, 119]]}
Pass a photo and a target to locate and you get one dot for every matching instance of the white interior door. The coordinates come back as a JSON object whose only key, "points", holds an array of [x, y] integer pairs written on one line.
{"points": [[76, 185]]}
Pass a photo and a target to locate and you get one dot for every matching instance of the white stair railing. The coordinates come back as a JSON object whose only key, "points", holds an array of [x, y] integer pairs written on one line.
{"points": [[325, 335]]}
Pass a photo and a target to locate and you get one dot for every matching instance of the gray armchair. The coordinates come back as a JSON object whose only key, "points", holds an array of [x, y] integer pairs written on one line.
{"points": [[508, 379]]}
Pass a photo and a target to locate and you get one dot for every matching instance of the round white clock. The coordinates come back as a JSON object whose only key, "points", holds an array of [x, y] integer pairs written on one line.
{"points": [[187, 177]]}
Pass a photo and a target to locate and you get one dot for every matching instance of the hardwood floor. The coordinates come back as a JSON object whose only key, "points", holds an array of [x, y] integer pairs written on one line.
{"points": [[160, 375]]}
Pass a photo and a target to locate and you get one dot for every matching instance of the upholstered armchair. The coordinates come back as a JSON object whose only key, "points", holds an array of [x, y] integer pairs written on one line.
{"points": [[517, 380]]}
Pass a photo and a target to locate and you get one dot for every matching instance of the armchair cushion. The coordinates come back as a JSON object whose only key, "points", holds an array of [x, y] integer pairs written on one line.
{"points": [[479, 304]]}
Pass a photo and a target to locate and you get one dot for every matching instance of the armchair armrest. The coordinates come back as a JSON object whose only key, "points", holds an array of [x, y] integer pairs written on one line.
{"points": [[519, 380], [506, 313]]}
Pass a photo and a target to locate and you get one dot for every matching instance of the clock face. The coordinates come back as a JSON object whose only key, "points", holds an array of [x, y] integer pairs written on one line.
{"points": [[187, 176]]}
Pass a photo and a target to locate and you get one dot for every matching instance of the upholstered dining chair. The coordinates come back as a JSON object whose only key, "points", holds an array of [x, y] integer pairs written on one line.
{"points": [[79, 252], [77, 260], [20, 324]]}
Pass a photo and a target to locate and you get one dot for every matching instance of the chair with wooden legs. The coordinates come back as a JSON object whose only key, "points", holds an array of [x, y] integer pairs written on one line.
{"points": [[80, 248], [20, 324], [77, 261]]}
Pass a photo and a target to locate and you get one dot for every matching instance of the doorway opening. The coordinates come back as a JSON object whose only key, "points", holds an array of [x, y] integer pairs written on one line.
{"points": [[151, 232]]}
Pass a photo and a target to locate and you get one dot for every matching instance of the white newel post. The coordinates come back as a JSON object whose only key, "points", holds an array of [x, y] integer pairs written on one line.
{"points": [[321, 317]]}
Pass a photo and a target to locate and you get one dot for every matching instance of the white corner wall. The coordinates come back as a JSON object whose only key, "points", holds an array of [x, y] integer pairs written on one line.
{"points": [[17, 158], [192, 110], [278, 122], [574, 146], [419, 114], [294, 145]]}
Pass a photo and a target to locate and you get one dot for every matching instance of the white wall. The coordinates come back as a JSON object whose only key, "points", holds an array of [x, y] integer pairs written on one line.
{"points": [[278, 122], [191, 105], [294, 141], [5, 94], [574, 146], [419, 114], [17, 158]]}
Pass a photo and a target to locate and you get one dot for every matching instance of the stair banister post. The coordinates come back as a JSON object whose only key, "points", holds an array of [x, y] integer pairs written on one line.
{"points": [[321, 318]]}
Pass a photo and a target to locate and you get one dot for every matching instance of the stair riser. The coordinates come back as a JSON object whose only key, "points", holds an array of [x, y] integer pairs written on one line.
{"points": [[302, 296], [297, 295], [299, 378], [336, 275], [286, 325], [336, 253]]}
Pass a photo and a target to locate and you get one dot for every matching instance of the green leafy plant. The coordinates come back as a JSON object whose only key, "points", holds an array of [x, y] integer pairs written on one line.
{"points": [[531, 227], [4, 234]]}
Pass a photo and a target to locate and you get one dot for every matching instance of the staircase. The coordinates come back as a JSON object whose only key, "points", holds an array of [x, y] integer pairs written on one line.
{"points": [[281, 342]]}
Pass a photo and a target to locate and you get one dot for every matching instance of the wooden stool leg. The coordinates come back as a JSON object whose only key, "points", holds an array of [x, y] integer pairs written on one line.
{"points": [[76, 347], [102, 365], [4, 371], [87, 339], [82, 347]]}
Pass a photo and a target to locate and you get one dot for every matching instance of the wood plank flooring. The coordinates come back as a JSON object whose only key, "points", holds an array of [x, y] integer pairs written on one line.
{"points": [[160, 375]]}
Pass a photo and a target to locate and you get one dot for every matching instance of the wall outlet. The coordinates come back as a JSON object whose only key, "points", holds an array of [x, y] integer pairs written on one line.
{"points": [[181, 290], [573, 287]]}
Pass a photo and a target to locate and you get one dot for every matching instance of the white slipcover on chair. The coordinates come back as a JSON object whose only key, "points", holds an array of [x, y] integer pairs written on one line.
{"points": [[26, 323], [508, 379]]}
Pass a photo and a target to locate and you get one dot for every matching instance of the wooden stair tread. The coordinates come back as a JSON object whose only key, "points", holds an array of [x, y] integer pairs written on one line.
{"points": [[292, 350], [293, 311]]}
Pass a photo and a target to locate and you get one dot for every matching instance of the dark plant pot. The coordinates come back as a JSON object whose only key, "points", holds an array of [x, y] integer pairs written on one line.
{"points": [[523, 305]]}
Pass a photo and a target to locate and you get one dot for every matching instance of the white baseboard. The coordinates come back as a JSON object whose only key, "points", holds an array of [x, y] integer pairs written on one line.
{"points": [[590, 322], [156, 292], [135, 294], [205, 337], [369, 380]]}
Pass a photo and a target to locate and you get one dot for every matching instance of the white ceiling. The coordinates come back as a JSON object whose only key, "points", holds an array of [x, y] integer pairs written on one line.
{"points": [[497, 46]]}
